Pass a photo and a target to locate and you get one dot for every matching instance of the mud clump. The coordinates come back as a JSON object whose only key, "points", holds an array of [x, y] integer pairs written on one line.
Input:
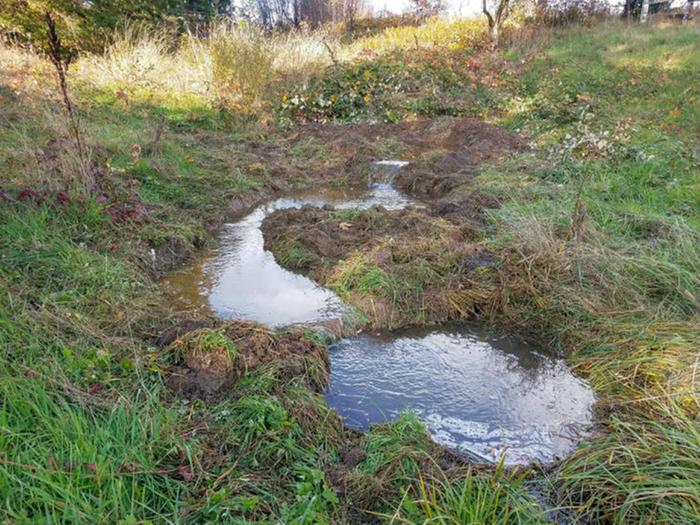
{"points": [[328, 235], [399, 268], [467, 209], [210, 360]]}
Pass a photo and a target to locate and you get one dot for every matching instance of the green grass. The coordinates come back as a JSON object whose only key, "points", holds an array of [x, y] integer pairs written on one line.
{"points": [[66, 463], [615, 125], [89, 435], [501, 499]]}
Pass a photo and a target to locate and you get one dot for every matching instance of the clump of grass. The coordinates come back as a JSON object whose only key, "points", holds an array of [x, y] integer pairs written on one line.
{"points": [[205, 349], [293, 255], [63, 462], [395, 455], [499, 498], [643, 471], [360, 274]]}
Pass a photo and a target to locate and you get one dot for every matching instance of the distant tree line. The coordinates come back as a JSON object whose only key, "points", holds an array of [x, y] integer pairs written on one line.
{"points": [[89, 24]]}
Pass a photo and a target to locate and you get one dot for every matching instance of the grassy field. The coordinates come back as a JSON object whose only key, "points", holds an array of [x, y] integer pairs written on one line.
{"points": [[597, 234]]}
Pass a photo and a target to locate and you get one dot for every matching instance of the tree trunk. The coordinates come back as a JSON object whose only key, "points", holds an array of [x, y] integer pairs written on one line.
{"points": [[496, 20], [495, 34], [645, 12]]}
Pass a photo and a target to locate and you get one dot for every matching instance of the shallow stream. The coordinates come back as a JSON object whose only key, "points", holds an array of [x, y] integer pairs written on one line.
{"points": [[477, 393]]}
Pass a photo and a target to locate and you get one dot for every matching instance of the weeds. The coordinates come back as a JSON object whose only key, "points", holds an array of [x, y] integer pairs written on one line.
{"points": [[501, 499], [89, 434]]}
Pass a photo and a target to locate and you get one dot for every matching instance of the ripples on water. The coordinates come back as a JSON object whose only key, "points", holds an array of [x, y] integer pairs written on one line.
{"points": [[477, 394]]}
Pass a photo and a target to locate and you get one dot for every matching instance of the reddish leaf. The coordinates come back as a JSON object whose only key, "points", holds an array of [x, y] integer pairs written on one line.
{"points": [[185, 472]]}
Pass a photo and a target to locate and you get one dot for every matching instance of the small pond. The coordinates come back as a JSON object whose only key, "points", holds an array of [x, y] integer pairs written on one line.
{"points": [[477, 393]]}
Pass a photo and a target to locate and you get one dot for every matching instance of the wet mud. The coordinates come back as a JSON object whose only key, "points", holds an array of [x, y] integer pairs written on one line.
{"points": [[208, 361]]}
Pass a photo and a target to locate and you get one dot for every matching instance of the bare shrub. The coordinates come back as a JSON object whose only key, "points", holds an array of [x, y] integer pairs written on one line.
{"points": [[79, 163]]}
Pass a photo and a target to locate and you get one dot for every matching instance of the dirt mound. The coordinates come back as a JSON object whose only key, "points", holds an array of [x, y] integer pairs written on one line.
{"points": [[399, 268], [469, 208], [210, 360], [304, 237], [486, 142], [443, 152]]}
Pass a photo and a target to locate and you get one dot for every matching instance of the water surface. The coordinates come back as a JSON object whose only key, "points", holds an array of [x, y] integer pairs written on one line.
{"points": [[479, 394], [240, 279]]}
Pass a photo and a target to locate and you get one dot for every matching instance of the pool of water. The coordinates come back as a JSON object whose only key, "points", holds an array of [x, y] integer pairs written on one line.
{"points": [[477, 393], [240, 279]]}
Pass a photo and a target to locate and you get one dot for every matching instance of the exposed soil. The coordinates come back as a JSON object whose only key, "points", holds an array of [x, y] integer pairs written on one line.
{"points": [[210, 360], [426, 263], [467, 209], [443, 152], [332, 235]]}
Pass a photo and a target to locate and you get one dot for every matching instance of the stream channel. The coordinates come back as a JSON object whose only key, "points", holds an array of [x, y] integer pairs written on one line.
{"points": [[482, 394]]}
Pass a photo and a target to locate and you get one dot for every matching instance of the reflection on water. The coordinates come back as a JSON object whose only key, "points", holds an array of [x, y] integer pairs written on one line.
{"points": [[477, 394], [482, 395], [239, 279]]}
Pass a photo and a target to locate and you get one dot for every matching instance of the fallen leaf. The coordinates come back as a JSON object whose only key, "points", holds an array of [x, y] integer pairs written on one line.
{"points": [[345, 226], [185, 472]]}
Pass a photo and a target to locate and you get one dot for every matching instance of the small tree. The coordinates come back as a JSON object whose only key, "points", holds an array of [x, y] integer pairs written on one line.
{"points": [[496, 19]]}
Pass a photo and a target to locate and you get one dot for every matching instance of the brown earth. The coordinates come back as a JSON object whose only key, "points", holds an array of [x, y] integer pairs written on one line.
{"points": [[208, 371], [426, 269], [331, 235], [443, 152]]}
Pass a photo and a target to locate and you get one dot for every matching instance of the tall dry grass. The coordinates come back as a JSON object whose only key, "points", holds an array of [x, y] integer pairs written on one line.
{"points": [[235, 63], [240, 65], [436, 31]]}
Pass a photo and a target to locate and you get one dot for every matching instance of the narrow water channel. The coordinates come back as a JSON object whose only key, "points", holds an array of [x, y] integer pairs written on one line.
{"points": [[239, 279], [484, 395]]}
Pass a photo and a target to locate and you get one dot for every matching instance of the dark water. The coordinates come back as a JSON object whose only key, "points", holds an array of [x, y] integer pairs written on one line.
{"points": [[239, 279], [476, 393]]}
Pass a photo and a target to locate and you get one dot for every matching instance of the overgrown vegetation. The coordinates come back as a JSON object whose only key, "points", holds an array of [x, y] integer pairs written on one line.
{"points": [[594, 250]]}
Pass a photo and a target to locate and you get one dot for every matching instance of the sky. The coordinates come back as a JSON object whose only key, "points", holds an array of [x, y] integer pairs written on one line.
{"points": [[468, 8]]}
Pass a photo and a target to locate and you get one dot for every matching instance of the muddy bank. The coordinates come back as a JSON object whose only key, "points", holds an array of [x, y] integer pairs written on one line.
{"points": [[209, 360], [399, 268], [444, 153]]}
